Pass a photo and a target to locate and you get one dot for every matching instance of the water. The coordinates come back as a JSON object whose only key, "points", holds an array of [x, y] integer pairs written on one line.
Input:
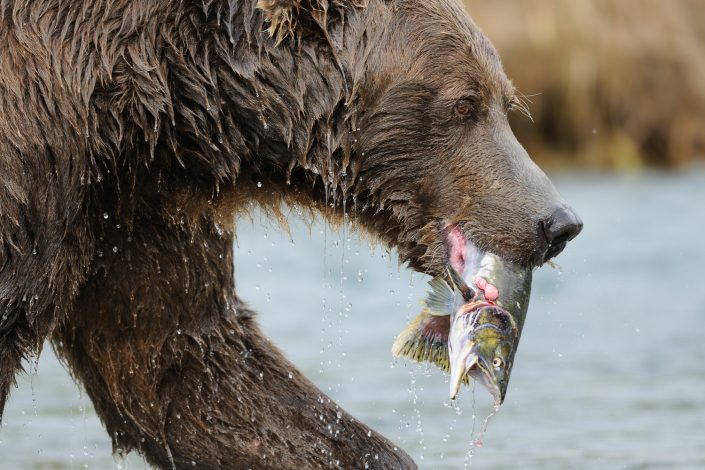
{"points": [[609, 373]]}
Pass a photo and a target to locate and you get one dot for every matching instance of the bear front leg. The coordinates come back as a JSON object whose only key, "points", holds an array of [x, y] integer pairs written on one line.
{"points": [[178, 369], [44, 246]]}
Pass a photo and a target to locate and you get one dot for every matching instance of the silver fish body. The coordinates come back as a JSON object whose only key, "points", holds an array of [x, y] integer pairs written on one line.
{"points": [[484, 334], [471, 323]]}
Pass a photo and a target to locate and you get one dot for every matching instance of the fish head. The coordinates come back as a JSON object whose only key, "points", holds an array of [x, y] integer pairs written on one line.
{"points": [[481, 345]]}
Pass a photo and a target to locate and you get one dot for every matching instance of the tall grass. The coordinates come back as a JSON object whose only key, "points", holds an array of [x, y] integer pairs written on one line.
{"points": [[612, 83]]}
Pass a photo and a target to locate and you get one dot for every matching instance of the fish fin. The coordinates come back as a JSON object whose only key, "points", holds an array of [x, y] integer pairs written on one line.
{"points": [[425, 339], [459, 283], [441, 298]]}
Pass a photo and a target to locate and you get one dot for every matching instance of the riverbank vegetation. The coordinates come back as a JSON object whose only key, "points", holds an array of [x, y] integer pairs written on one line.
{"points": [[611, 84]]}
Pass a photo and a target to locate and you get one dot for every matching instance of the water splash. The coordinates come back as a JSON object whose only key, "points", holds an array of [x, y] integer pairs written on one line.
{"points": [[33, 371]]}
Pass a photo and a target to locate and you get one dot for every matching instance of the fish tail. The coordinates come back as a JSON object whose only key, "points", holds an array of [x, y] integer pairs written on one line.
{"points": [[425, 339]]}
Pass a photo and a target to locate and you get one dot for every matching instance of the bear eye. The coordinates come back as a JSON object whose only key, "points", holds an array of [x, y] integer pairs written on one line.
{"points": [[464, 107], [497, 362]]}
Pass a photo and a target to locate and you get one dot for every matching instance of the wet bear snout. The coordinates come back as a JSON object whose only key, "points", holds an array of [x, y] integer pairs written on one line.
{"points": [[561, 226]]}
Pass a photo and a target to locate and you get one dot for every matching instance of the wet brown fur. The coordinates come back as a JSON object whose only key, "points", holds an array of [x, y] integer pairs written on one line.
{"points": [[131, 132]]}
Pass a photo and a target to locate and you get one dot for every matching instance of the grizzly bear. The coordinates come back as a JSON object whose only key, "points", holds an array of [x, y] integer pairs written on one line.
{"points": [[132, 132]]}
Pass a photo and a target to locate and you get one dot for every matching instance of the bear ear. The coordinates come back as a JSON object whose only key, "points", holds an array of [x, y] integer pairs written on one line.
{"points": [[282, 15]]}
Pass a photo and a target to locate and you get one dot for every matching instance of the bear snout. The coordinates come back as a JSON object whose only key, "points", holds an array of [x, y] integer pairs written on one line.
{"points": [[560, 227]]}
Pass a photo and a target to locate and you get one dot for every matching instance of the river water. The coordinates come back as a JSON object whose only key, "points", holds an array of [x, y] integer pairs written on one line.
{"points": [[610, 372]]}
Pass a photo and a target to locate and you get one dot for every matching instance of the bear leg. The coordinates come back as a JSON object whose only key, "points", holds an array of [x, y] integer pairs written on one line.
{"points": [[177, 367]]}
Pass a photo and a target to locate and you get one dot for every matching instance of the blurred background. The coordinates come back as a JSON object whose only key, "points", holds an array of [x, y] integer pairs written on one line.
{"points": [[611, 84], [610, 373]]}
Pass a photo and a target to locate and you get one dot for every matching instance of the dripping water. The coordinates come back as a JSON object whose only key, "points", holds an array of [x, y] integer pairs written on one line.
{"points": [[477, 438]]}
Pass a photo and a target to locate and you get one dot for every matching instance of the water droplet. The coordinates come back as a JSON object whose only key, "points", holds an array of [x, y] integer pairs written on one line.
{"points": [[105, 215], [115, 249], [259, 184]]}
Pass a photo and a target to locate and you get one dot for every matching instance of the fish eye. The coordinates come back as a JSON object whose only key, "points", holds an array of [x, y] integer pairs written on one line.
{"points": [[497, 362]]}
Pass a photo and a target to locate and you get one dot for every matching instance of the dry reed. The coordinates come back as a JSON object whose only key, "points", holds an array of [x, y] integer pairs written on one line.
{"points": [[611, 83]]}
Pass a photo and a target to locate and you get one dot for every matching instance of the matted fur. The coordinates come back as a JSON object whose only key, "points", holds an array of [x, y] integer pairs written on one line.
{"points": [[282, 15]]}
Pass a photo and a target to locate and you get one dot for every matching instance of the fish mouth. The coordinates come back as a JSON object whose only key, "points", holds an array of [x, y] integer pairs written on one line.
{"points": [[473, 365]]}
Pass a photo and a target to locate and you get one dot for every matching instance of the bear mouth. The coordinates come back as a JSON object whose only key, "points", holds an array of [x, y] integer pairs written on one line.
{"points": [[455, 245], [459, 252]]}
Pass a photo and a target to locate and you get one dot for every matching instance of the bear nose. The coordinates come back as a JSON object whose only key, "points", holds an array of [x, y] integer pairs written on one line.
{"points": [[559, 228]]}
